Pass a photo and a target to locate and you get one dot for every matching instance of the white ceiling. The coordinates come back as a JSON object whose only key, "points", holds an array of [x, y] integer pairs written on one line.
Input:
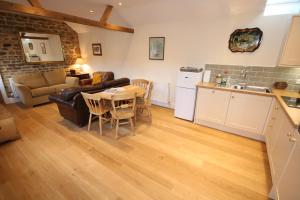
{"points": [[138, 12]]}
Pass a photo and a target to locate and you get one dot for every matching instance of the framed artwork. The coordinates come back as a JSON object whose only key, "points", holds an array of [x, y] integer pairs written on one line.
{"points": [[97, 50], [245, 40], [156, 48], [43, 47], [30, 46]]}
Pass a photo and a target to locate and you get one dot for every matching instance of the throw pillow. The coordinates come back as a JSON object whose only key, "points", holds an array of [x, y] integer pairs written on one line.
{"points": [[97, 78]]}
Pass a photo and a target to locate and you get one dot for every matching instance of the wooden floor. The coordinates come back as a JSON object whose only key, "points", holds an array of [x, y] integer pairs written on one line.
{"points": [[170, 159]]}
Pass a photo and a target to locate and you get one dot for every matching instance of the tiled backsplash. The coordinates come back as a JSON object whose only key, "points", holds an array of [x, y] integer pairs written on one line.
{"points": [[261, 76]]}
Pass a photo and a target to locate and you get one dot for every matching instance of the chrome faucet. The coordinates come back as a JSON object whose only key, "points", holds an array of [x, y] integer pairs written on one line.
{"points": [[244, 73]]}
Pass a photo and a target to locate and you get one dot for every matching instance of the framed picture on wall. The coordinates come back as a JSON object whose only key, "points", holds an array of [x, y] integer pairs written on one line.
{"points": [[97, 50], [30, 46], [43, 47], [156, 48]]}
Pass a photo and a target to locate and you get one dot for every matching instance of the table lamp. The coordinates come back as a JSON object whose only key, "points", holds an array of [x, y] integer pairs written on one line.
{"points": [[77, 66]]}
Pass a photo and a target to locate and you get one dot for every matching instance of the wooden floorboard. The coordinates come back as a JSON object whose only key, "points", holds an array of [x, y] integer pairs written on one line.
{"points": [[168, 159]]}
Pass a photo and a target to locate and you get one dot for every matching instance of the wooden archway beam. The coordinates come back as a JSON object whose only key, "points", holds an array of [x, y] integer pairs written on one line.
{"points": [[41, 12], [106, 14]]}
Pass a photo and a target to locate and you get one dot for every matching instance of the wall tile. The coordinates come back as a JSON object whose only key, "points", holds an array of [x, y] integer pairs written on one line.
{"points": [[261, 76]]}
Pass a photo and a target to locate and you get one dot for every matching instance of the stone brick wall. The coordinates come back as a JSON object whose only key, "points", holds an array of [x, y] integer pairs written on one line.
{"points": [[12, 58], [261, 76]]}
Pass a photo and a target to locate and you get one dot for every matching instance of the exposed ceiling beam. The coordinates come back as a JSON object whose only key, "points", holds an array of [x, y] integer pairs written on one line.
{"points": [[35, 3], [106, 14], [40, 12]]}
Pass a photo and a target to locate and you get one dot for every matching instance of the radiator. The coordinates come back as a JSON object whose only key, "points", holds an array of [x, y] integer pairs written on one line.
{"points": [[161, 94]]}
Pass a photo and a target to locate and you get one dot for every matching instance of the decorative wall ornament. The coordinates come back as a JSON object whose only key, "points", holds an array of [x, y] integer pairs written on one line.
{"points": [[156, 48], [245, 40], [97, 50]]}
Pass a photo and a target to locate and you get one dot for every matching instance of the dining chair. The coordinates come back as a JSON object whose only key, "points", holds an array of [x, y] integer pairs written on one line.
{"points": [[97, 107], [123, 108], [144, 103]]}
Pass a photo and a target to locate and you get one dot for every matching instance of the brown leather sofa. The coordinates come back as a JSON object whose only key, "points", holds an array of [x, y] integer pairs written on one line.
{"points": [[71, 104]]}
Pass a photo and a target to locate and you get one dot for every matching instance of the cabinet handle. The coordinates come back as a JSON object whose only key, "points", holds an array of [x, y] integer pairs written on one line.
{"points": [[232, 97], [292, 139]]}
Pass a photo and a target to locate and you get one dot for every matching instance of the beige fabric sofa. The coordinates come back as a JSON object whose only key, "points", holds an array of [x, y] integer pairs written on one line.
{"points": [[34, 88]]}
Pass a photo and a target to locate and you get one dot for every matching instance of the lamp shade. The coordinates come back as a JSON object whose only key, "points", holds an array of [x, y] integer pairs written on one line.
{"points": [[79, 61]]}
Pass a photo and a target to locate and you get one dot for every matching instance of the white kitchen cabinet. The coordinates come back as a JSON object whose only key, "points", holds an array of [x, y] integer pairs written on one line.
{"points": [[290, 55], [282, 148], [248, 112], [289, 182], [274, 125], [212, 105]]}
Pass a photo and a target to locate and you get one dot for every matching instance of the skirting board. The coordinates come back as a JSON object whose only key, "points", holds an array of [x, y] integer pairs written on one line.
{"points": [[231, 130], [162, 104]]}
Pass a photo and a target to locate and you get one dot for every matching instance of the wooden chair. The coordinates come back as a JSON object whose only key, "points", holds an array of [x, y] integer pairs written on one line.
{"points": [[96, 107], [145, 102], [123, 107]]}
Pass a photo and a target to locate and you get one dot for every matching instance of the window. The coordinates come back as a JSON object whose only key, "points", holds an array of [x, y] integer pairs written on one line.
{"points": [[282, 7]]}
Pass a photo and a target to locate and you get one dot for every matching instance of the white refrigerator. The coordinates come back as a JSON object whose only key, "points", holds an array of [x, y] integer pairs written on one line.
{"points": [[186, 90]]}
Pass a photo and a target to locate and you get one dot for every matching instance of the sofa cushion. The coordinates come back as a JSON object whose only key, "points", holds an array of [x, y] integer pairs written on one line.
{"points": [[69, 93], [116, 83], [58, 88], [42, 91], [31, 80], [97, 78], [55, 77]]}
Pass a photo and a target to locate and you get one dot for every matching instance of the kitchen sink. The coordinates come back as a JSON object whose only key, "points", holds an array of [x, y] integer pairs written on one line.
{"points": [[251, 88], [291, 102]]}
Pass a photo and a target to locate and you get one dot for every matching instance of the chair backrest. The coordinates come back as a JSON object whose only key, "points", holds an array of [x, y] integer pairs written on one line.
{"points": [[94, 103], [124, 100], [146, 85]]}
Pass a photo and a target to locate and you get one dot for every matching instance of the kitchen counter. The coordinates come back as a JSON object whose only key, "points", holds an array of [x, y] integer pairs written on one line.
{"points": [[292, 113]]}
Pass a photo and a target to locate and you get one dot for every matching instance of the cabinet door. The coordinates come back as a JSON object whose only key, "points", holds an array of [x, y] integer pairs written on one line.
{"points": [[212, 105], [248, 112], [290, 55], [282, 148], [289, 183], [274, 125]]}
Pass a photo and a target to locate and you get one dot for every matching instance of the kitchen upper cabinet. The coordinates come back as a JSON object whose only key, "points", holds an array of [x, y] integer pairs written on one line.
{"points": [[212, 105], [289, 183], [282, 149], [291, 52], [248, 112]]}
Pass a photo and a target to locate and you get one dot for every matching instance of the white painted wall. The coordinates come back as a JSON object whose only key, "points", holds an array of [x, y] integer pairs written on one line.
{"points": [[115, 47], [188, 43]]}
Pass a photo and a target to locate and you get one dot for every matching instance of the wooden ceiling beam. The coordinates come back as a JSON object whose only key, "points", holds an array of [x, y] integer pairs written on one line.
{"points": [[106, 14], [35, 3], [40, 12]]}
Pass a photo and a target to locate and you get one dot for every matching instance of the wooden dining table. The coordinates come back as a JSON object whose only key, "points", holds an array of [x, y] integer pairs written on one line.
{"points": [[108, 94]]}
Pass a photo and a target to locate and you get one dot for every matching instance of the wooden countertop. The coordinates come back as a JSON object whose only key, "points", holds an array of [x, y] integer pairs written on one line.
{"points": [[292, 113]]}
